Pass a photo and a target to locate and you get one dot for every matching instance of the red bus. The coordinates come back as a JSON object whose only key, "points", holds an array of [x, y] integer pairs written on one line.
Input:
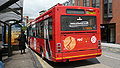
{"points": [[66, 33]]}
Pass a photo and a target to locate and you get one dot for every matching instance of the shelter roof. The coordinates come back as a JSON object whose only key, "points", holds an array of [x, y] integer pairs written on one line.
{"points": [[11, 10]]}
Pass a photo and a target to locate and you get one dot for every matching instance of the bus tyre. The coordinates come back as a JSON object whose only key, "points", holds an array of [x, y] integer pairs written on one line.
{"points": [[42, 54]]}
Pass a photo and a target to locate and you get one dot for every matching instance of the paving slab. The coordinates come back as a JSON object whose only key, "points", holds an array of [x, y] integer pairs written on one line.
{"points": [[111, 45], [115, 48], [19, 60]]}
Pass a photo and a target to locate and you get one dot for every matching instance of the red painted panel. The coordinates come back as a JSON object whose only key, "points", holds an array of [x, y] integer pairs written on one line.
{"points": [[75, 42]]}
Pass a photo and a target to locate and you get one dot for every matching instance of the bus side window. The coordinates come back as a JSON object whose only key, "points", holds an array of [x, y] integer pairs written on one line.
{"points": [[33, 34], [50, 28], [30, 31], [37, 30], [42, 30], [33, 30]]}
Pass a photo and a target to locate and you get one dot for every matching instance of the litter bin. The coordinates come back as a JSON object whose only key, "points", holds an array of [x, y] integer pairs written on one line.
{"points": [[1, 64], [0, 53]]}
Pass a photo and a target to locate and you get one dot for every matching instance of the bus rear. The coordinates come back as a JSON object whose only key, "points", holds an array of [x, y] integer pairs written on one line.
{"points": [[77, 33]]}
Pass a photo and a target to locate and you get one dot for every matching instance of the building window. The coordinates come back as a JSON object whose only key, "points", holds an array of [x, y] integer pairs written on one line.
{"points": [[78, 3], [107, 8], [93, 3], [96, 3], [86, 3], [66, 3], [72, 2], [110, 6]]}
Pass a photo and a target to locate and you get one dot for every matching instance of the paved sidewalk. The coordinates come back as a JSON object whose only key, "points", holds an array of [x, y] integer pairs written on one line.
{"points": [[111, 45], [21, 60]]}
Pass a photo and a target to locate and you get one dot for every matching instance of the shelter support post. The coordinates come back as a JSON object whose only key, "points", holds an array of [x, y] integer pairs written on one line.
{"points": [[0, 54], [4, 35], [9, 41]]}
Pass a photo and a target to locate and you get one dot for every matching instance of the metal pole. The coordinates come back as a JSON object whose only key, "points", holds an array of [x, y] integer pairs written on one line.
{"points": [[21, 14], [0, 54], [9, 41], [4, 37]]}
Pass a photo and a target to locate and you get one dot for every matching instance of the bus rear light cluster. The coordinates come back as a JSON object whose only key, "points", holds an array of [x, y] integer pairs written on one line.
{"points": [[58, 47], [99, 44], [91, 10]]}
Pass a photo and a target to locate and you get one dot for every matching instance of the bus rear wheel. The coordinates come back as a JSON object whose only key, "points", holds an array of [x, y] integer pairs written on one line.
{"points": [[41, 53]]}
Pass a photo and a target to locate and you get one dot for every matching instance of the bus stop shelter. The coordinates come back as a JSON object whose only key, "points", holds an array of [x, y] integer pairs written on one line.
{"points": [[11, 13]]}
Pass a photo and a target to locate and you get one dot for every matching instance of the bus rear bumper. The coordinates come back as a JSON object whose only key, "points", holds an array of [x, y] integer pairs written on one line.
{"points": [[79, 55]]}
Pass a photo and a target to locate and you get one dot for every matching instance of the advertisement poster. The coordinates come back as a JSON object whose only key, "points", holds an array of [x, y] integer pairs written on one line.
{"points": [[15, 31]]}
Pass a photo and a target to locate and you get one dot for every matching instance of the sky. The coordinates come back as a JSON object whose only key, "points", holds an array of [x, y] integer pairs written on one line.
{"points": [[32, 8]]}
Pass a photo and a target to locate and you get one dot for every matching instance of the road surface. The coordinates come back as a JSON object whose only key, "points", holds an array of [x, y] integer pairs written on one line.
{"points": [[107, 60]]}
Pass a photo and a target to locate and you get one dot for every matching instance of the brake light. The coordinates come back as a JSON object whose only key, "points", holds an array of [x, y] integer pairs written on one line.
{"points": [[99, 44], [91, 10], [58, 47]]}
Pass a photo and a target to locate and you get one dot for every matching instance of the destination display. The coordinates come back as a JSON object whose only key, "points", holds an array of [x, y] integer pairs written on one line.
{"points": [[75, 11]]}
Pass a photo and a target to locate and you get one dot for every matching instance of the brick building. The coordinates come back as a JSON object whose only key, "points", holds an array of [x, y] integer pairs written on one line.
{"points": [[110, 17]]}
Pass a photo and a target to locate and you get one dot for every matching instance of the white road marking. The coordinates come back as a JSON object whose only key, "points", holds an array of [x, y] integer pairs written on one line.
{"points": [[43, 63], [112, 57]]}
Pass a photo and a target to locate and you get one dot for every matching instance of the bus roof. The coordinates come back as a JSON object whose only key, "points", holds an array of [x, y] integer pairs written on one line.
{"points": [[60, 5], [49, 10]]}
